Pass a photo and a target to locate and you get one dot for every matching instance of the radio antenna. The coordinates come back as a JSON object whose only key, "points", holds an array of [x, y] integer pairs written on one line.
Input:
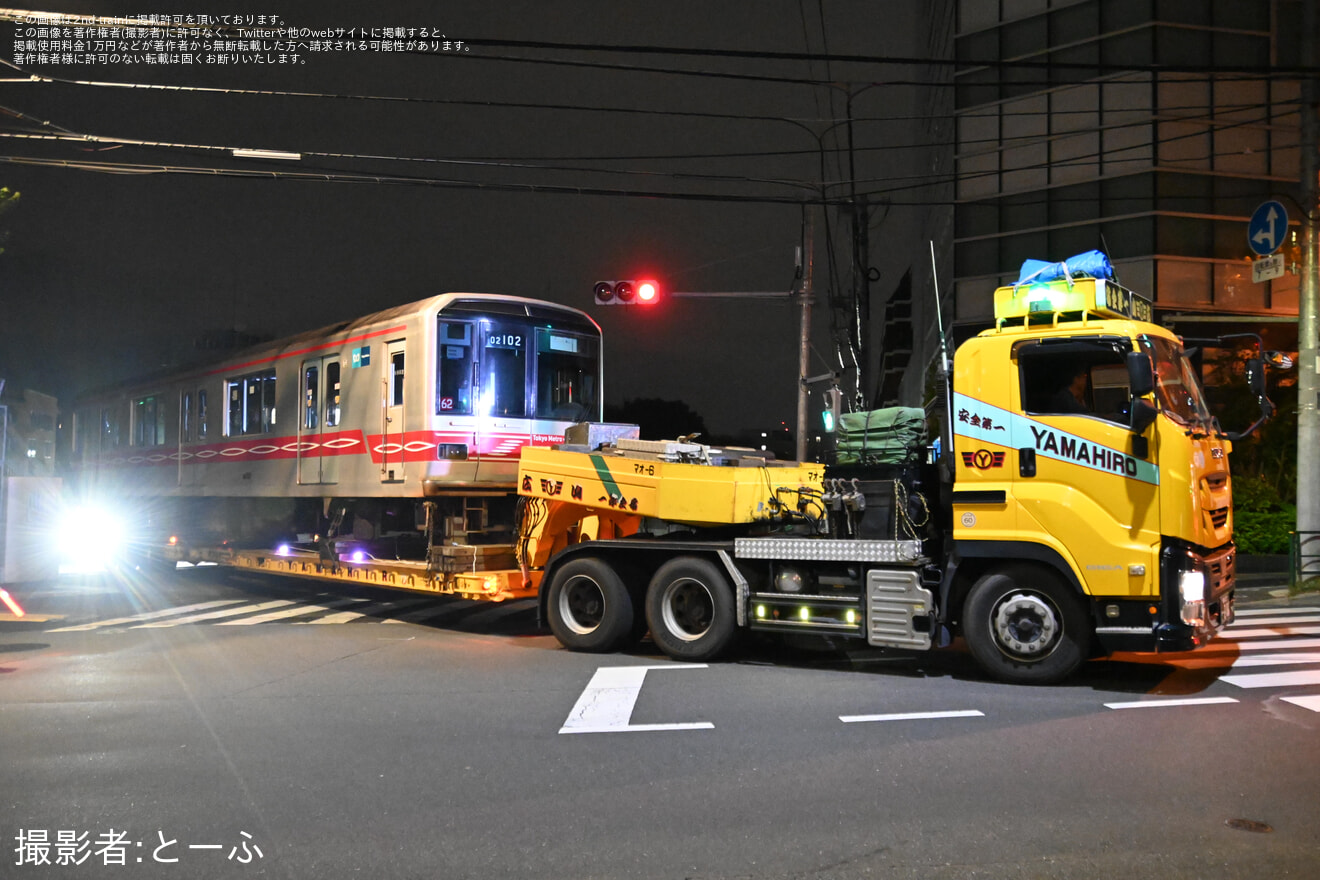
{"points": [[946, 369]]}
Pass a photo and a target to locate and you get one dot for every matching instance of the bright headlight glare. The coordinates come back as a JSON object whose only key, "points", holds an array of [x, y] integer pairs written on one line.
{"points": [[1191, 584]]}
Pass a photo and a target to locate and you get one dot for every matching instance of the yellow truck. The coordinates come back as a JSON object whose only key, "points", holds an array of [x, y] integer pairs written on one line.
{"points": [[1078, 504]]}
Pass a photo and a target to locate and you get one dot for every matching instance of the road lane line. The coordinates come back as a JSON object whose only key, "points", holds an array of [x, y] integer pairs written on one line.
{"points": [[1278, 621], [1277, 659], [1274, 679], [913, 716], [1265, 612], [214, 615], [150, 615], [295, 611], [1164, 704], [607, 702], [1221, 645], [1309, 702]]}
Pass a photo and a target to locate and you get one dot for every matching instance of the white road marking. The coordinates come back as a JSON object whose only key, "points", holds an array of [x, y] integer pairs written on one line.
{"points": [[1222, 645], [1164, 704], [1280, 620], [150, 615], [346, 616], [284, 613], [1311, 702], [1277, 659], [1265, 612], [213, 615], [913, 716], [1232, 634], [1274, 679], [606, 705]]}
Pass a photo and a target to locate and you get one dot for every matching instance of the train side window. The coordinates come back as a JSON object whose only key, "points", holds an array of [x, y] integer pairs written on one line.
{"points": [[186, 414], [201, 413], [454, 369], [251, 402], [332, 394], [311, 406], [148, 421], [109, 428], [396, 379]]}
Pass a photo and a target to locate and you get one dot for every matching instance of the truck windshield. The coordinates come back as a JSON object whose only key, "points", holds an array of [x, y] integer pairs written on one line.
{"points": [[1176, 384]]}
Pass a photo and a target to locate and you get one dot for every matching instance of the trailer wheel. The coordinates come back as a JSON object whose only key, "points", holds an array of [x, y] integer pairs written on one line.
{"points": [[589, 607], [1024, 626], [690, 608]]}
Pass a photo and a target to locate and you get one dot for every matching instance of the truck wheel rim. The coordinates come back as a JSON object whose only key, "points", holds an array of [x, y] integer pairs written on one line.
{"points": [[582, 605], [687, 609], [1026, 626]]}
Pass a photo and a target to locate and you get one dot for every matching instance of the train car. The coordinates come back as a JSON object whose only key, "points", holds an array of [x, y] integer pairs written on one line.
{"points": [[401, 428]]}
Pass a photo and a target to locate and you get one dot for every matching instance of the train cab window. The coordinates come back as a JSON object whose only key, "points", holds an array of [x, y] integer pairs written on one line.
{"points": [[148, 421], [454, 368], [504, 369], [201, 414], [566, 370], [251, 401], [332, 394]]}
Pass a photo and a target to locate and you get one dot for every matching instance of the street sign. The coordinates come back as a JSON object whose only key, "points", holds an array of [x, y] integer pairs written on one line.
{"points": [[1267, 268], [1268, 228]]}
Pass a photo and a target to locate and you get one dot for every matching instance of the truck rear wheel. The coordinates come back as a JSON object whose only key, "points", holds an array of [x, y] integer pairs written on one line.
{"points": [[1024, 626], [589, 608], [690, 608]]}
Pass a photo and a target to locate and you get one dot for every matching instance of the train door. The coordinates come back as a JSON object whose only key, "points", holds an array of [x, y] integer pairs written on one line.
{"points": [[319, 422], [392, 414]]}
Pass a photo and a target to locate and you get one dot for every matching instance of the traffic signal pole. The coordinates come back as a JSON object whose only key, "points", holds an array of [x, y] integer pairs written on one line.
{"points": [[1308, 350], [805, 298]]}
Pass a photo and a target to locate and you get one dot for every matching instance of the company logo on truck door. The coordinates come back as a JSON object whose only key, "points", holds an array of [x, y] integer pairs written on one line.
{"points": [[982, 422], [983, 459]]}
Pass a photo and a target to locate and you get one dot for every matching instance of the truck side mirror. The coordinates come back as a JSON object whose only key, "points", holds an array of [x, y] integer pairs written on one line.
{"points": [[1143, 414], [1141, 374], [1256, 376]]}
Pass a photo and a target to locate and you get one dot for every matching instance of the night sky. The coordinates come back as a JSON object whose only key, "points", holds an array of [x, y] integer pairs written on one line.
{"points": [[109, 275]]}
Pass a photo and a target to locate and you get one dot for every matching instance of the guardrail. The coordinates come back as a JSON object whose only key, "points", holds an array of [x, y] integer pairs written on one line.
{"points": [[1303, 557]]}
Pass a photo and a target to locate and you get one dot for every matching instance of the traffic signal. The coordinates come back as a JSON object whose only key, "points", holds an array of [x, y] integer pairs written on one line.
{"points": [[627, 293], [833, 403]]}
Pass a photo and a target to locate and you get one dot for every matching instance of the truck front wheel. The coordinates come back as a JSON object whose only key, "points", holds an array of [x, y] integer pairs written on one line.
{"points": [[1024, 626], [589, 608], [690, 608]]}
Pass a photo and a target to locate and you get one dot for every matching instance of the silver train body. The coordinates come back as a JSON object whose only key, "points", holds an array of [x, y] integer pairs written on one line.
{"points": [[427, 401]]}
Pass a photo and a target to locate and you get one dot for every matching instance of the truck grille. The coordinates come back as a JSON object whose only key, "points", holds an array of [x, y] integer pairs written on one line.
{"points": [[1218, 517], [1221, 569]]}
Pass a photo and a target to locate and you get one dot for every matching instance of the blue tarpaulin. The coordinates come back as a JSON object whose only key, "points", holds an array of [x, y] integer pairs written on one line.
{"points": [[1092, 264]]}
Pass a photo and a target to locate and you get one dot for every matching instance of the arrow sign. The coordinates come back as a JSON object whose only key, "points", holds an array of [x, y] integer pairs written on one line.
{"points": [[1268, 228]]}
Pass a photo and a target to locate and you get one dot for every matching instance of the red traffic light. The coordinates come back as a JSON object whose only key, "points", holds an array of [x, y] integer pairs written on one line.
{"points": [[626, 293]]}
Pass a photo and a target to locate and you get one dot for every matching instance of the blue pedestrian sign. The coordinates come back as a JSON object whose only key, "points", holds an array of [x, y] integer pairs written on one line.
{"points": [[1268, 228]]}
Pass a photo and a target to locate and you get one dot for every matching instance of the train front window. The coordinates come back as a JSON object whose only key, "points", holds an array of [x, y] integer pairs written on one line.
{"points": [[453, 381], [566, 370], [504, 369]]}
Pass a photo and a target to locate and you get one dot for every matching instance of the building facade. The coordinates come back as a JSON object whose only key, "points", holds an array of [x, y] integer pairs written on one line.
{"points": [[1149, 129]]}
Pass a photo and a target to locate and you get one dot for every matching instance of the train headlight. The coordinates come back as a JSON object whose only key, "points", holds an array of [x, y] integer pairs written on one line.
{"points": [[90, 539]]}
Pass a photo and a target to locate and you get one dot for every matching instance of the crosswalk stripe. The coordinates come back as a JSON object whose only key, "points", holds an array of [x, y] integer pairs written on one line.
{"points": [[1270, 632], [150, 615], [1277, 659], [1266, 612], [1274, 679], [1311, 702], [213, 615], [1224, 645], [284, 613], [346, 616], [1286, 620]]}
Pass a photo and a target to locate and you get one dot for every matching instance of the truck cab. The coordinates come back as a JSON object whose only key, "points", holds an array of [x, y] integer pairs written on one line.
{"points": [[1091, 497]]}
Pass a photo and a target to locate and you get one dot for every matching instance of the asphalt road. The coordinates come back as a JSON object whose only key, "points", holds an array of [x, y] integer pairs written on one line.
{"points": [[243, 726]]}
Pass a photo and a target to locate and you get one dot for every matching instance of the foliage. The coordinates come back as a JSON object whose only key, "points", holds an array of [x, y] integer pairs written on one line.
{"points": [[1262, 520], [8, 198], [1269, 454]]}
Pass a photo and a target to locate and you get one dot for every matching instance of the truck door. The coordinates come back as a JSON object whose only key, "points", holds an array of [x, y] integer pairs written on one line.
{"points": [[1092, 488], [392, 414]]}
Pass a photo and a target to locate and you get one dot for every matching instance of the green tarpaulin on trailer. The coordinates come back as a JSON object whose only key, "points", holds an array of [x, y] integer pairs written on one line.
{"points": [[896, 435]]}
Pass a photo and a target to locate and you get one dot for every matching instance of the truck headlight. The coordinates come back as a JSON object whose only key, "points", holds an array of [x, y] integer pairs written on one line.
{"points": [[1191, 592]]}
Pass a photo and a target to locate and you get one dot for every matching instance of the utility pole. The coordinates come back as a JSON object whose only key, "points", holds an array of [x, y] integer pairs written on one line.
{"points": [[804, 332], [1308, 352]]}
